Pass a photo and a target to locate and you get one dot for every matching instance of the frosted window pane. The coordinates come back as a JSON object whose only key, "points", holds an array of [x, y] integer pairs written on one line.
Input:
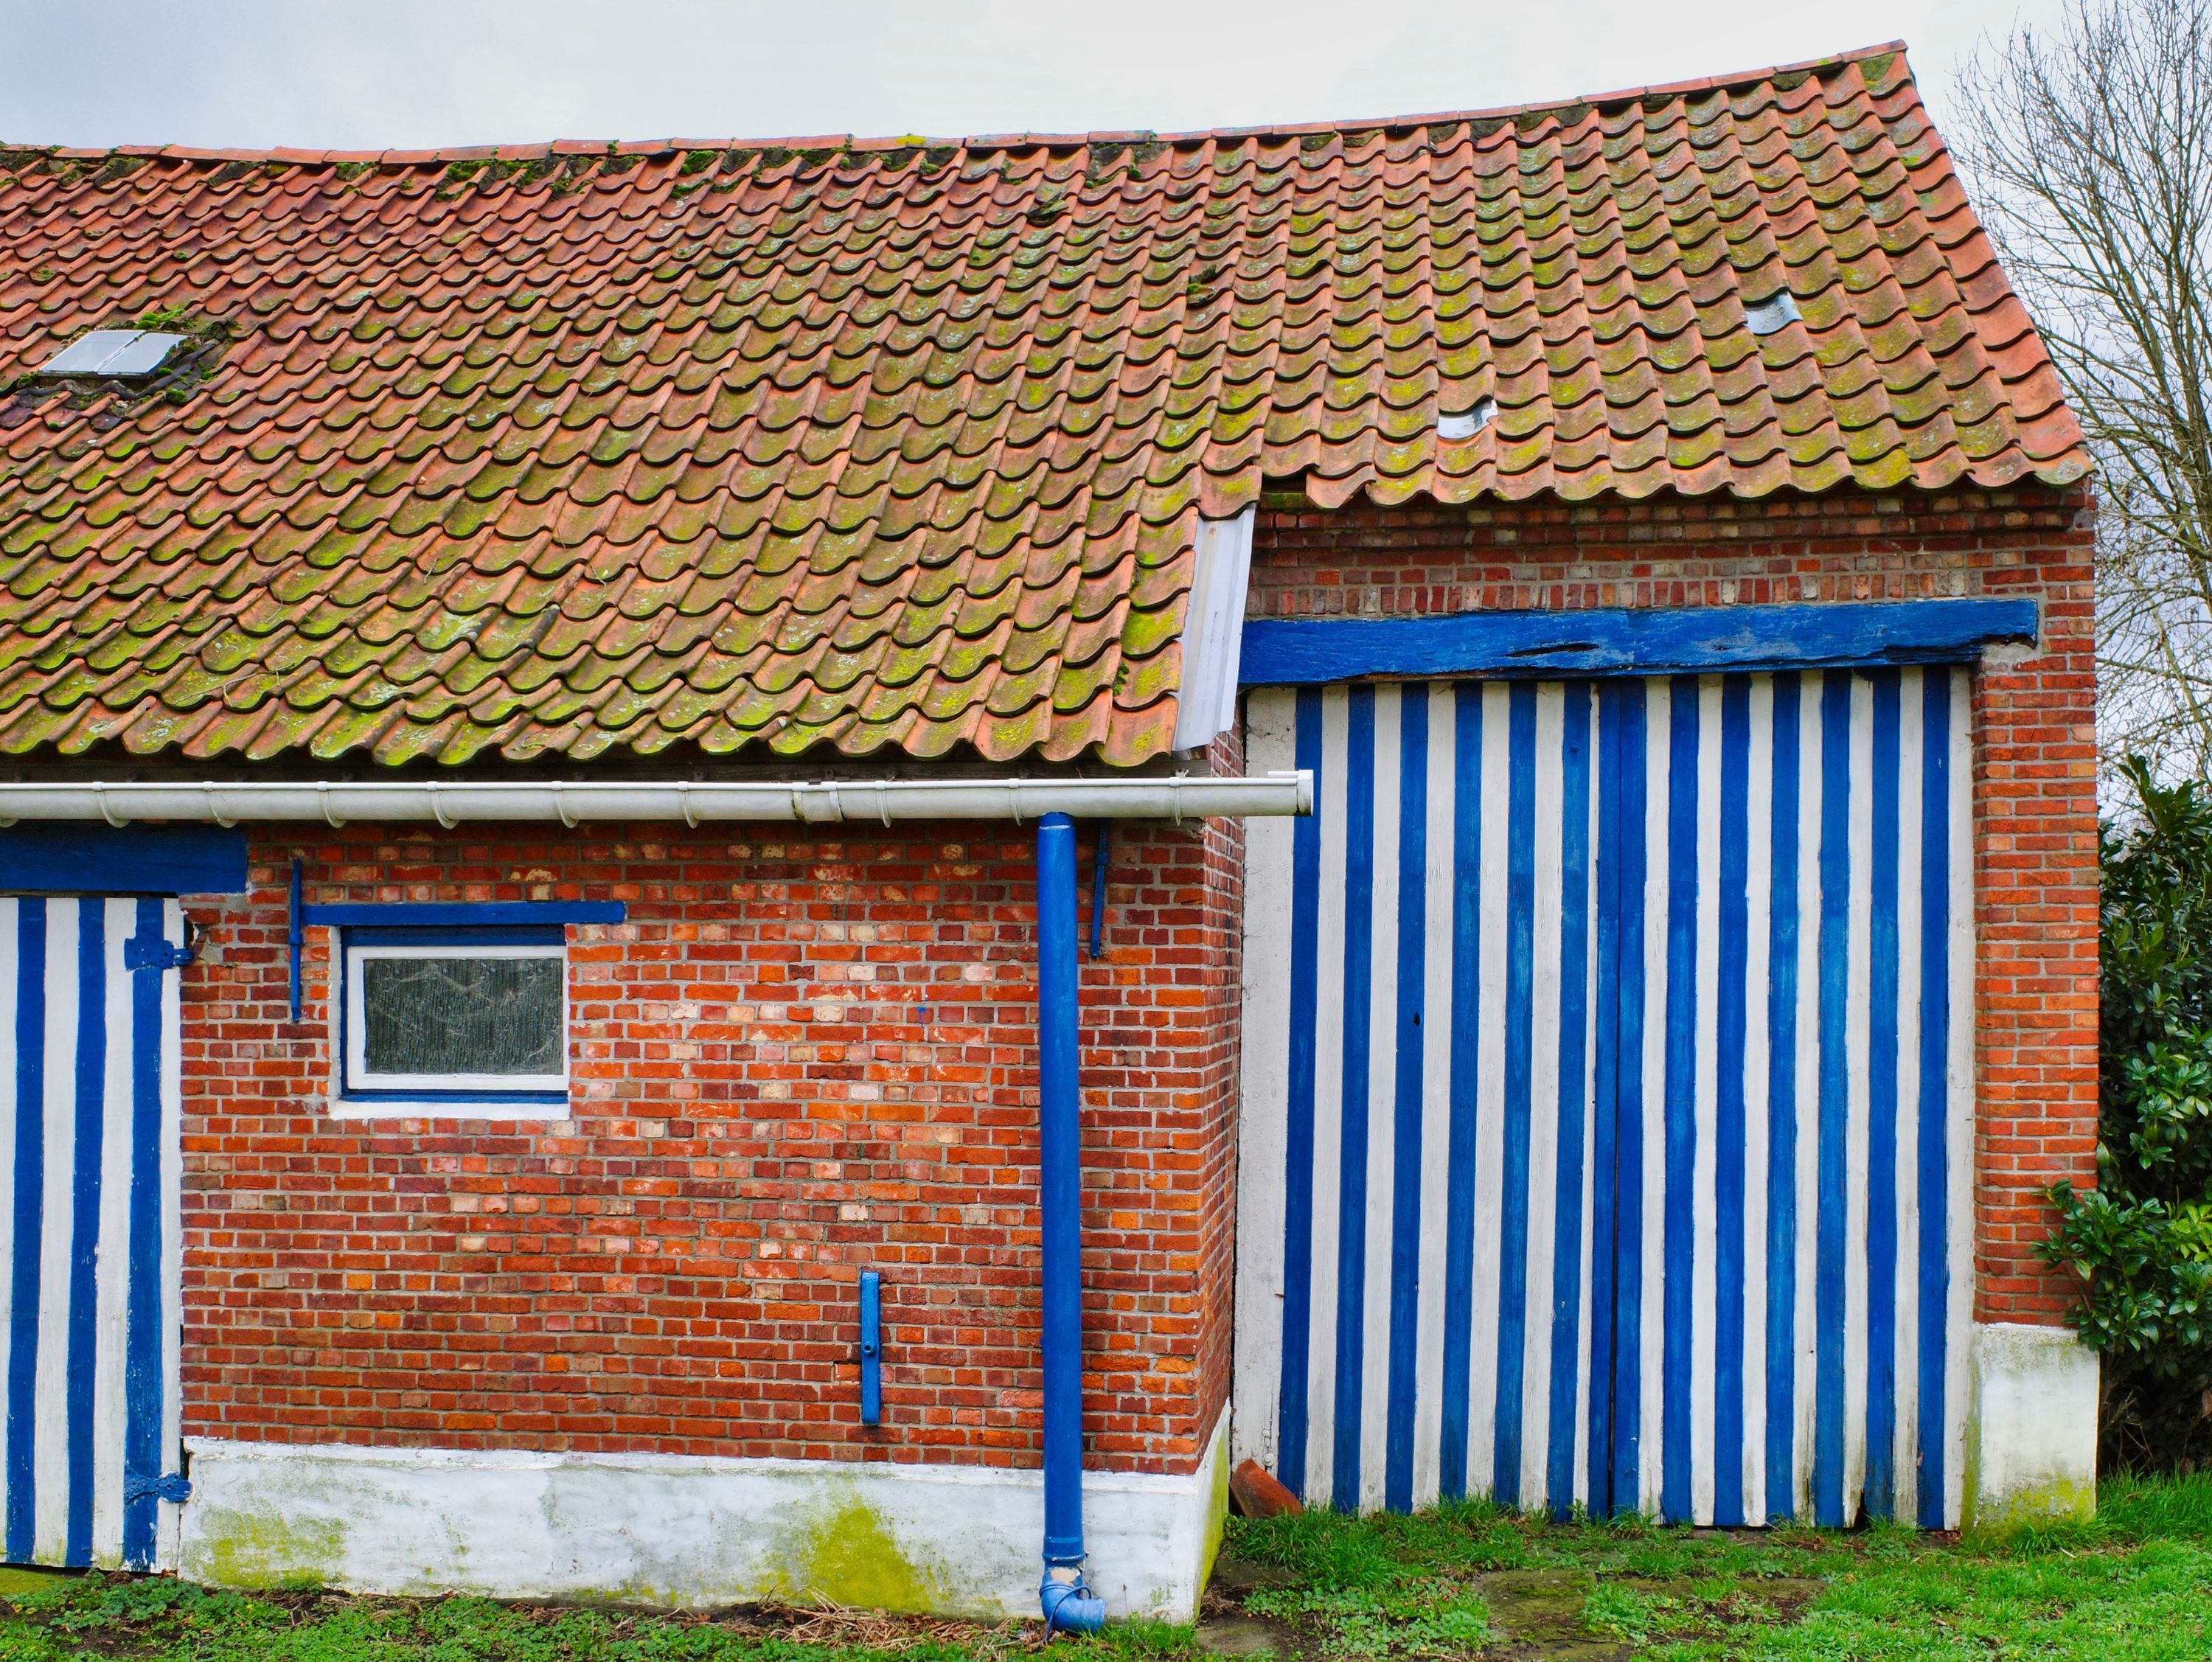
{"points": [[462, 1015]]}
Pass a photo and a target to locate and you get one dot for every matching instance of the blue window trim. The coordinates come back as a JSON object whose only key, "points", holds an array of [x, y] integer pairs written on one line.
{"points": [[461, 915], [1633, 641], [388, 931], [522, 934], [414, 914]]}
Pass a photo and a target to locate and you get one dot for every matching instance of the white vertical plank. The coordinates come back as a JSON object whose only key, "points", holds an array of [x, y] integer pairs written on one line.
{"points": [[50, 1462], [1959, 1191], [107, 1402], [1906, 1443], [1262, 1124], [1381, 1098], [1328, 1108], [1543, 1099], [1490, 1142]]}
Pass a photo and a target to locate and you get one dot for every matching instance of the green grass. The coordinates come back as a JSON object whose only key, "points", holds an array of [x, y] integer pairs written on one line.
{"points": [[2133, 1586]]}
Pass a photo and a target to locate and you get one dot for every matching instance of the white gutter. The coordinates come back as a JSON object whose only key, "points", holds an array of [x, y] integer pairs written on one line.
{"points": [[392, 801]]}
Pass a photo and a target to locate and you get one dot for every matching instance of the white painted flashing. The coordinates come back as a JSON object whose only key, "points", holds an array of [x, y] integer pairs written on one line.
{"points": [[1213, 631], [687, 1532], [2030, 1426]]}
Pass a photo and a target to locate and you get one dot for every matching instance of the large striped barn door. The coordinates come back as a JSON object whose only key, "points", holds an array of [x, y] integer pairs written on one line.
{"points": [[1608, 1096], [89, 1259]]}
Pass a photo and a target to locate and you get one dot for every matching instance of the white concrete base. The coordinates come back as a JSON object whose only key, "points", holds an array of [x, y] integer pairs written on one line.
{"points": [[677, 1532], [2031, 1427]]}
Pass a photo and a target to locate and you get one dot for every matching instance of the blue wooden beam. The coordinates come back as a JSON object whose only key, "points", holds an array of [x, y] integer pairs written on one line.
{"points": [[458, 915], [76, 859], [1633, 641]]}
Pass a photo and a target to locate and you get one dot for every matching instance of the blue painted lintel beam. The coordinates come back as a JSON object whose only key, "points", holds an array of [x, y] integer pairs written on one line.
{"points": [[1633, 641], [122, 860]]}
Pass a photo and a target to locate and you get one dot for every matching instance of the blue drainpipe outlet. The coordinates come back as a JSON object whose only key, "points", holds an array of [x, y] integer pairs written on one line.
{"points": [[1070, 1606]]}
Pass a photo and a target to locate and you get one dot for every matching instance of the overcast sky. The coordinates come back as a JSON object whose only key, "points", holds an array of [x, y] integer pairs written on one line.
{"points": [[372, 73]]}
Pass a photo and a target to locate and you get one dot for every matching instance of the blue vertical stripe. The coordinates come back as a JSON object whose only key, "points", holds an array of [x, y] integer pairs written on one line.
{"points": [[143, 1361], [84, 1219], [30, 1185], [1574, 1056], [1605, 1077], [1628, 1110], [1934, 1203], [1298, 1140], [1356, 1011], [1730, 1020], [1406, 1145], [1881, 1105], [1520, 967], [1781, 1110], [1830, 1237], [1466, 1065], [1678, 1359]]}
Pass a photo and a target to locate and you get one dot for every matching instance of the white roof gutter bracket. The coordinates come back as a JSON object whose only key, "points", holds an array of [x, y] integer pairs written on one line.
{"points": [[695, 803]]}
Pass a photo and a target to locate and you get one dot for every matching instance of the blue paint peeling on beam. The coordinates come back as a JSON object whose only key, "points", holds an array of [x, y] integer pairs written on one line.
{"points": [[1639, 641]]}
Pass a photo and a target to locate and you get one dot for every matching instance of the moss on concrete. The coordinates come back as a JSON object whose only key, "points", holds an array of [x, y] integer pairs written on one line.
{"points": [[1217, 1515], [2057, 1500], [842, 1550], [264, 1550]]}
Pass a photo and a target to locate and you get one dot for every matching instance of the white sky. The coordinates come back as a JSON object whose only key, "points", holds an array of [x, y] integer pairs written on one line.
{"points": [[372, 73]]}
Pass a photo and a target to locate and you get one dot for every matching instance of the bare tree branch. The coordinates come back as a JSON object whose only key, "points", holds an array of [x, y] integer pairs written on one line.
{"points": [[2091, 153]]}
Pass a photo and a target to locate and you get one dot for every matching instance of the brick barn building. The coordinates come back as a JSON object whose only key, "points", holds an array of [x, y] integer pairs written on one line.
{"points": [[672, 805]]}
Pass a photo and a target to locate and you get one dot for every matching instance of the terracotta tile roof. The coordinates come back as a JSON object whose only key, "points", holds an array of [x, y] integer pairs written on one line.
{"points": [[905, 444]]}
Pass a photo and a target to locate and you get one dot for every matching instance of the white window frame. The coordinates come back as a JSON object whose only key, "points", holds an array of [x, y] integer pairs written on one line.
{"points": [[370, 1090]]}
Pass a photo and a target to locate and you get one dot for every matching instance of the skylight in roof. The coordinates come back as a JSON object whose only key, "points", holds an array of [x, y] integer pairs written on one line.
{"points": [[1766, 316], [121, 352], [1466, 423]]}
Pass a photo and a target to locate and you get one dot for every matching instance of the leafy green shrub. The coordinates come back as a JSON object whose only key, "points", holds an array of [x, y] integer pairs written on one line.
{"points": [[2142, 1241]]}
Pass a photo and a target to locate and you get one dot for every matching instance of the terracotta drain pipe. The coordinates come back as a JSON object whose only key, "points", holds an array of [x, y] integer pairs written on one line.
{"points": [[1070, 1606]]}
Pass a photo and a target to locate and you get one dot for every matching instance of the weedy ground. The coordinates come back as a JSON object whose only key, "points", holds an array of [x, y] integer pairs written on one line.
{"points": [[1464, 1581]]}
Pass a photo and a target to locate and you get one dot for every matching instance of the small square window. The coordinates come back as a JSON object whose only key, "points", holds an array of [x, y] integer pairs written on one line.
{"points": [[456, 1015]]}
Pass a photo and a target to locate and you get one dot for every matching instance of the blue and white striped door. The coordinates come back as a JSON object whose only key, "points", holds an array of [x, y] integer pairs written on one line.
{"points": [[1608, 1096], [89, 1259]]}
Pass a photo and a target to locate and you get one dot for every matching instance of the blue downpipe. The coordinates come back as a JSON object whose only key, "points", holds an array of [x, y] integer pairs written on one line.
{"points": [[1069, 1604]]}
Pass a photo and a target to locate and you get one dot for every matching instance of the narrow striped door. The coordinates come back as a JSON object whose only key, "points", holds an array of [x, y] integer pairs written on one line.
{"points": [[89, 1260], [1607, 1115]]}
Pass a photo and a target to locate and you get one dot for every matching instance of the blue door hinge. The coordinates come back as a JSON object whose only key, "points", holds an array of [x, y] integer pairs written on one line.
{"points": [[144, 951], [173, 1486]]}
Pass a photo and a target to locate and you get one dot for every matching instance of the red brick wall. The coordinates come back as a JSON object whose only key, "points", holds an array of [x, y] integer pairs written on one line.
{"points": [[763, 1108], [2035, 759], [803, 1055]]}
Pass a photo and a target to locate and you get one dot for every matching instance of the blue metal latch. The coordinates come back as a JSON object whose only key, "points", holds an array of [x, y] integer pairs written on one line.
{"points": [[153, 952]]}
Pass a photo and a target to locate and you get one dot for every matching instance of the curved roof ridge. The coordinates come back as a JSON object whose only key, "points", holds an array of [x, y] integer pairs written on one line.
{"points": [[445, 155]]}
